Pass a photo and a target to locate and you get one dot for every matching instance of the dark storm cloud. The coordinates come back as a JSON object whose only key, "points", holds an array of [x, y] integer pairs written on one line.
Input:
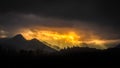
{"points": [[20, 19], [13, 21], [101, 17], [83, 9]]}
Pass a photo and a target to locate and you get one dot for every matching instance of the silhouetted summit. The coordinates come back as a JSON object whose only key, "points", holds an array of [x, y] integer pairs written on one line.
{"points": [[40, 45], [19, 37], [18, 43], [34, 39]]}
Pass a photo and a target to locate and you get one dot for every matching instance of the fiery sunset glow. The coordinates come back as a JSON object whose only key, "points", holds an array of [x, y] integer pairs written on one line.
{"points": [[61, 39]]}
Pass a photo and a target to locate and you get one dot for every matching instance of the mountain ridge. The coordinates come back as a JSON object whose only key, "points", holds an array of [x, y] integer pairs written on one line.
{"points": [[18, 43]]}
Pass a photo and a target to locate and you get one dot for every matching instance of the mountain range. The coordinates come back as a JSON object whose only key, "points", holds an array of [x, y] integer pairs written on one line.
{"points": [[18, 43]]}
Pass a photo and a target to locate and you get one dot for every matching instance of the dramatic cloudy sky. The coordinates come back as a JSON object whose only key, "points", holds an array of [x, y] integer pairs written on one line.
{"points": [[97, 16]]}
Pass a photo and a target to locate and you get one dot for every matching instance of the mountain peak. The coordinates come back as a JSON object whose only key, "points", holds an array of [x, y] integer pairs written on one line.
{"points": [[34, 39], [19, 37]]}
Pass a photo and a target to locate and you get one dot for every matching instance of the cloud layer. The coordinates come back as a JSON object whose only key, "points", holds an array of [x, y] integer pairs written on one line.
{"points": [[12, 22]]}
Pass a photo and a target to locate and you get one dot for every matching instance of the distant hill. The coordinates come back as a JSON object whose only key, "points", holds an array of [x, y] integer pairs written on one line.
{"points": [[18, 43]]}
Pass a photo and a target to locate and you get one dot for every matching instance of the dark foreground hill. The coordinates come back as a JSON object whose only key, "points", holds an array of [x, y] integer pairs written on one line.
{"points": [[71, 57]]}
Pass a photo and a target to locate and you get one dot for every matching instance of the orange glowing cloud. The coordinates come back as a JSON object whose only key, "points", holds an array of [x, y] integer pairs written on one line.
{"points": [[62, 37], [54, 38]]}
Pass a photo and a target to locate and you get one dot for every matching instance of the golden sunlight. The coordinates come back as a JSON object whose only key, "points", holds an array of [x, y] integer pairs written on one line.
{"points": [[60, 39]]}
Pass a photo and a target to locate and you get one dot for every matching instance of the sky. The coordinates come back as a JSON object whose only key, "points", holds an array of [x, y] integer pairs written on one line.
{"points": [[97, 17]]}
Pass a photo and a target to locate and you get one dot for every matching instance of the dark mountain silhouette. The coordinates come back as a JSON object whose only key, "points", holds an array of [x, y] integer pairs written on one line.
{"points": [[18, 43], [34, 43], [118, 46], [19, 37]]}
